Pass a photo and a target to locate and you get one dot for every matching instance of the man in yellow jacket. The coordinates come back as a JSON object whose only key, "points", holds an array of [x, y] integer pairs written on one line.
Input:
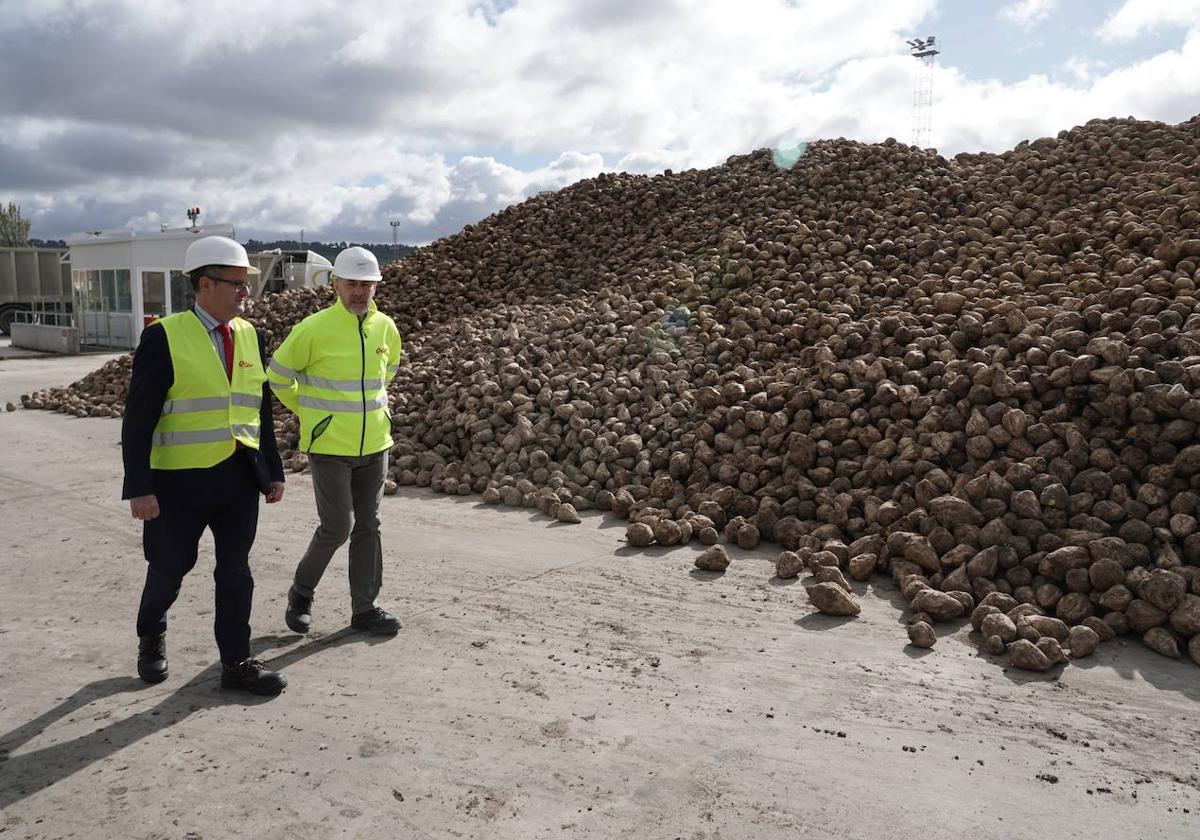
{"points": [[332, 371], [199, 449]]}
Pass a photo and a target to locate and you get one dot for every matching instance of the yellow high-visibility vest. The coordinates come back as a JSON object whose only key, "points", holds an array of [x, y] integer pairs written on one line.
{"points": [[205, 415], [332, 371]]}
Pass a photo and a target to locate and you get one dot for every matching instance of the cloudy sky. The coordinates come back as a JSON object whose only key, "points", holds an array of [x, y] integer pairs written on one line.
{"points": [[339, 116]]}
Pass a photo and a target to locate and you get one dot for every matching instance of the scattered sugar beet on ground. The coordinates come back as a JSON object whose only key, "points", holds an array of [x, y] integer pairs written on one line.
{"points": [[977, 375]]}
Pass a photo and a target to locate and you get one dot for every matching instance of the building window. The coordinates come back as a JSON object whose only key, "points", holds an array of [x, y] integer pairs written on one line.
{"points": [[124, 290], [181, 291], [115, 288], [153, 293], [95, 294]]}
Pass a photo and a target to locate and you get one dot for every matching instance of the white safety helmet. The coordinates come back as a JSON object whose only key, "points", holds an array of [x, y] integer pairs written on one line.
{"points": [[214, 250], [357, 264]]}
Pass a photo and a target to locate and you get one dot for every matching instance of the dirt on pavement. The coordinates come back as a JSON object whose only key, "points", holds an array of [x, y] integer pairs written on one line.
{"points": [[548, 682]]}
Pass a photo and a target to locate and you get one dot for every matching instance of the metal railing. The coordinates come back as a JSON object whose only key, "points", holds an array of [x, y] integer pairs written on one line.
{"points": [[47, 330], [43, 319]]}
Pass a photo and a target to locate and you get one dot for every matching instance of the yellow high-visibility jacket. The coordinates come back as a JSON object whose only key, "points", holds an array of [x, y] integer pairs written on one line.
{"points": [[332, 371], [204, 413]]}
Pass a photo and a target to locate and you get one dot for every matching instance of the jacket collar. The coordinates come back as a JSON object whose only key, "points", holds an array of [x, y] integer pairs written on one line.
{"points": [[210, 323]]}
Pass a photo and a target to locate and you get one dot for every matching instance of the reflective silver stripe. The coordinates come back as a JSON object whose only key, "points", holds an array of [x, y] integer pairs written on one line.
{"points": [[248, 400], [275, 367], [197, 404], [392, 369], [249, 430], [183, 438], [343, 405], [355, 385], [210, 403]]}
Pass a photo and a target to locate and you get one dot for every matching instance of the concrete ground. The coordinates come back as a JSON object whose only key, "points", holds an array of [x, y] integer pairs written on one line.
{"points": [[548, 682], [23, 371]]}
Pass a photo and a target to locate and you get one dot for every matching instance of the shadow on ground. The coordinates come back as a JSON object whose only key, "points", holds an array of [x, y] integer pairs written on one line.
{"points": [[25, 774], [820, 621]]}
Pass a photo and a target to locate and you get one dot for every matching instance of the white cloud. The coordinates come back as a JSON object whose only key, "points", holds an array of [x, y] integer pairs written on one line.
{"points": [[1136, 17], [1082, 69], [338, 117], [647, 161], [1026, 13], [990, 115]]}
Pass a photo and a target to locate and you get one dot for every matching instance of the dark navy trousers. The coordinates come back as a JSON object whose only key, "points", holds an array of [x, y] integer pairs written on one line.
{"points": [[224, 499]]}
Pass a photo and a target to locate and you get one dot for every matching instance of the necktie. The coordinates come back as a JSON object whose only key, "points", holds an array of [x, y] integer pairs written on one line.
{"points": [[227, 340]]}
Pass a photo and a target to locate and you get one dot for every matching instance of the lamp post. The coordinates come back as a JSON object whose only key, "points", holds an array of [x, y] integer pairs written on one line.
{"points": [[395, 247], [922, 118]]}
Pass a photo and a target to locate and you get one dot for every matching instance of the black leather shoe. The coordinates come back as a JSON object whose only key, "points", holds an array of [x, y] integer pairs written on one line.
{"points": [[375, 620], [299, 612], [250, 675], [152, 658]]}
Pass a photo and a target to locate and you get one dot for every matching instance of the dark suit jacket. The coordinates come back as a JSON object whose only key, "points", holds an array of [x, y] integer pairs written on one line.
{"points": [[153, 374]]}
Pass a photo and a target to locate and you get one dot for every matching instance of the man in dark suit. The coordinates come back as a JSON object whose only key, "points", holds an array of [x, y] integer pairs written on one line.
{"points": [[199, 447]]}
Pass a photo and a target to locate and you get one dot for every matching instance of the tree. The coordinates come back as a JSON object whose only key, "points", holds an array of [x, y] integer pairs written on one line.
{"points": [[14, 230]]}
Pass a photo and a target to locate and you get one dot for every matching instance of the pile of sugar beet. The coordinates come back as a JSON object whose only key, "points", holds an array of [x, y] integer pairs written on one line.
{"points": [[976, 375]]}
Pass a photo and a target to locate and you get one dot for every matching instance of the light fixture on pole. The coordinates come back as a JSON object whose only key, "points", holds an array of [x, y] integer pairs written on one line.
{"points": [[922, 116]]}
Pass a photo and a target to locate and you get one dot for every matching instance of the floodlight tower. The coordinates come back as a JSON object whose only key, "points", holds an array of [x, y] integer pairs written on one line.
{"points": [[395, 247], [923, 51]]}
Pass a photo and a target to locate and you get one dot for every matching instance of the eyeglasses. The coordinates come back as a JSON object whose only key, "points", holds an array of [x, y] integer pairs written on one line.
{"points": [[239, 285]]}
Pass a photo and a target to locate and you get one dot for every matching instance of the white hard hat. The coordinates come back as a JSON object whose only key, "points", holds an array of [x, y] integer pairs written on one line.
{"points": [[357, 264], [214, 250]]}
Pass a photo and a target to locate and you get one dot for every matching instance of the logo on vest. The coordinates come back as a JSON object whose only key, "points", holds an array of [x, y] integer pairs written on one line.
{"points": [[380, 351], [242, 363]]}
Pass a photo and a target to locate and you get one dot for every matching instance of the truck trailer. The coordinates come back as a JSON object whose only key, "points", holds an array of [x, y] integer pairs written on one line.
{"points": [[33, 279]]}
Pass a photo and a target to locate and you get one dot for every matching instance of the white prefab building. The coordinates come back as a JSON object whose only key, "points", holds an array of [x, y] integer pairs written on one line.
{"points": [[122, 280]]}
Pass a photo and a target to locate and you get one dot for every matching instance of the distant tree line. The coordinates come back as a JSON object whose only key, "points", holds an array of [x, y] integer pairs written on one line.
{"points": [[383, 250], [329, 250], [14, 231]]}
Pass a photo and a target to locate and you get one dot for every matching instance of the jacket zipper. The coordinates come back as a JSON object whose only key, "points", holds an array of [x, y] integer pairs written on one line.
{"points": [[362, 381]]}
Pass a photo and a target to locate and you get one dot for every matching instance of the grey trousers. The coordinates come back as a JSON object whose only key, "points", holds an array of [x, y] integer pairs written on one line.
{"points": [[345, 485]]}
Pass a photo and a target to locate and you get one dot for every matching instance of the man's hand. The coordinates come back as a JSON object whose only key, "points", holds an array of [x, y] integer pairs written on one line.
{"points": [[274, 492], [144, 507]]}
